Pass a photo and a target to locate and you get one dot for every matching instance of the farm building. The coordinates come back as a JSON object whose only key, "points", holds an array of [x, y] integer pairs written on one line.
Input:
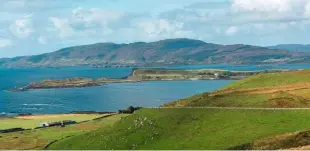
{"points": [[59, 123]]}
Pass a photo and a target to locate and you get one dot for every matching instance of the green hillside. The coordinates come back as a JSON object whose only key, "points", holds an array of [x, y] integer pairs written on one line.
{"points": [[271, 90], [292, 99], [287, 141], [26, 123], [38, 138], [271, 79], [190, 129]]}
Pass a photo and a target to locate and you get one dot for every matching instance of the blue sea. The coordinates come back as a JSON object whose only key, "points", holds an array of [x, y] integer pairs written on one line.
{"points": [[109, 97]]}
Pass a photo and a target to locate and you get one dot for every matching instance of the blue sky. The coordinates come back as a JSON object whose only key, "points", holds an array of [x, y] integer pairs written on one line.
{"points": [[30, 27]]}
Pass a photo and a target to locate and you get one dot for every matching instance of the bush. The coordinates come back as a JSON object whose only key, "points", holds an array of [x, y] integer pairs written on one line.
{"points": [[129, 110], [227, 73], [11, 130]]}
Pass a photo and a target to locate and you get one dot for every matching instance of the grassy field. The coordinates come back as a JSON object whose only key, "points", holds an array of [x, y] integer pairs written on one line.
{"points": [[287, 141], [290, 99], [36, 139], [272, 90], [190, 129], [272, 79], [34, 121]]}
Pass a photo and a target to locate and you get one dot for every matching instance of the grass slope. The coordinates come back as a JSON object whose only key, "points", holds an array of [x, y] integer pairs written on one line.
{"points": [[271, 79], [291, 99], [280, 90], [23, 122], [36, 139], [189, 129], [287, 141]]}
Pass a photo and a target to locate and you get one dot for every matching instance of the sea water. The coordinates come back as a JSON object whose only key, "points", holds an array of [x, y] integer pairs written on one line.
{"points": [[108, 97]]}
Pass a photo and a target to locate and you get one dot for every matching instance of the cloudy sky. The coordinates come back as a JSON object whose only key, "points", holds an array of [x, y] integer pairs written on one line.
{"points": [[30, 27]]}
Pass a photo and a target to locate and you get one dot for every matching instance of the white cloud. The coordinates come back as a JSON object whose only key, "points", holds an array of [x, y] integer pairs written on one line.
{"points": [[259, 14], [62, 27], [85, 23], [307, 8], [270, 10], [98, 24], [93, 20], [160, 28], [231, 30], [149, 27], [42, 40], [94, 15], [22, 28], [262, 5], [5, 42]]}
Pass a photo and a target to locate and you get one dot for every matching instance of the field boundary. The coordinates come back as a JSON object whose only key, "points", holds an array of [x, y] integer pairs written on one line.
{"points": [[229, 108], [54, 141]]}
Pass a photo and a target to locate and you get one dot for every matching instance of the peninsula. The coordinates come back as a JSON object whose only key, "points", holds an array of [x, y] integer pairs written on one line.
{"points": [[151, 74]]}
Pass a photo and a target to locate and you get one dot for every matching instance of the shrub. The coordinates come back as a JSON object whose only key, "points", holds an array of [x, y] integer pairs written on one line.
{"points": [[129, 110]]}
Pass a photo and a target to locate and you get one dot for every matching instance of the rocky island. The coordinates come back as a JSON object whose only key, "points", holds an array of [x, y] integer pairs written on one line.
{"points": [[139, 75]]}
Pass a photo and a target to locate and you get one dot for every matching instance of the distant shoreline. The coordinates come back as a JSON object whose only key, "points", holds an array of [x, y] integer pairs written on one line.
{"points": [[141, 75], [24, 115]]}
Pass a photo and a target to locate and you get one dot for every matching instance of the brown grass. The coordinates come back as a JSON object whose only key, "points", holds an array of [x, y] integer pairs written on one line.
{"points": [[20, 141], [288, 141], [307, 147], [264, 90]]}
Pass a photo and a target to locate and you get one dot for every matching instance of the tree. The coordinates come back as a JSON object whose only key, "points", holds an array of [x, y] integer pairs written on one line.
{"points": [[227, 73]]}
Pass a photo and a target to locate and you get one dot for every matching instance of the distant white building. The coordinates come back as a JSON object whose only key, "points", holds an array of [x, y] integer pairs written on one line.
{"points": [[59, 123], [216, 75], [44, 124]]}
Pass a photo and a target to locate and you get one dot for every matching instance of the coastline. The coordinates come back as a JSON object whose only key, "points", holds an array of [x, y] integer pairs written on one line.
{"points": [[141, 75], [34, 116], [20, 123]]}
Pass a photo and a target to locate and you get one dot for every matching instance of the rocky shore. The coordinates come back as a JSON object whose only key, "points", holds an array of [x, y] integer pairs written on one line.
{"points": [[66, 83]]}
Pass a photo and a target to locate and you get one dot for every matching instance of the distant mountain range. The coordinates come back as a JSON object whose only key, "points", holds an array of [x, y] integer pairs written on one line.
{"points": [[291, 47], [170, 51]]}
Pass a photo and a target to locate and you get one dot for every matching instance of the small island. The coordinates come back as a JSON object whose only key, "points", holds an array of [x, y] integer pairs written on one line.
{"points": [[140, 75]]}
